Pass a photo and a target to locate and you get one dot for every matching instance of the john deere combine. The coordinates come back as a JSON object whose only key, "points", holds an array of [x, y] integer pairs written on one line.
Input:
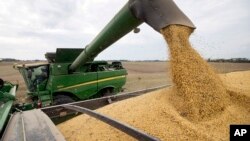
{"points": [[71, 74], [55, 83]]}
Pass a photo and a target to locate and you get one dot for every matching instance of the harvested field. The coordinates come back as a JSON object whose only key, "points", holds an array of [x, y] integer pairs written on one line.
{"points": [[141, 75], [8, 73]]}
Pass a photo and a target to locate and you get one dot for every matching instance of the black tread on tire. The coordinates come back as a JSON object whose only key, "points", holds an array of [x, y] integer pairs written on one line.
{"points": [[1, 83], [108, 92], [62, 99]]}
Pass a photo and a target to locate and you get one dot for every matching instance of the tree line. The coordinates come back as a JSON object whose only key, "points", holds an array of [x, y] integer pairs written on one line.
{"points": [[231, 60]]}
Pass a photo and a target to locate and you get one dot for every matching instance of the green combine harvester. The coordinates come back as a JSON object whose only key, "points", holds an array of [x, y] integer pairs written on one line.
{"points": [[55, 83], [71, 75]]}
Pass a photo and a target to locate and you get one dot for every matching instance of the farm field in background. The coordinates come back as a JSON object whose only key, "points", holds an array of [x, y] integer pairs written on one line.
{"points": [[141, 75]]}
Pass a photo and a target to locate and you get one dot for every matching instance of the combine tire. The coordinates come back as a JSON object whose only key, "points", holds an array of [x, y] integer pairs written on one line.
{"points": [[108, 92], [1, 83], [62, 99]]}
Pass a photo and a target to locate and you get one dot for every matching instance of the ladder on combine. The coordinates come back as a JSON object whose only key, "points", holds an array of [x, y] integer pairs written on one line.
{"points": [[45, 98]]}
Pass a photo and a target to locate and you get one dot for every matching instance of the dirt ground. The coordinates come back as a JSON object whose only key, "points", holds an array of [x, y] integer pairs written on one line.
{"points": [[141, 75]]}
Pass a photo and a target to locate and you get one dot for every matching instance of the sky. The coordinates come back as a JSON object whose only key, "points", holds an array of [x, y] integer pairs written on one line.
{"points": [[30, 28]]}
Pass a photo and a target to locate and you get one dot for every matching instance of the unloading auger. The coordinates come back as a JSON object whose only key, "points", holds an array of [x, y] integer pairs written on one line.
{"points": [[156, 13]]}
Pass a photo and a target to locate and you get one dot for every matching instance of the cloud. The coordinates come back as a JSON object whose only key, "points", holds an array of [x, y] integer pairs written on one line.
{"points": [[222, 27], [29, 29]]}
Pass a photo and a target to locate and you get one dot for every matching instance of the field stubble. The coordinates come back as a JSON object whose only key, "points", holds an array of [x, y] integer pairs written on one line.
{"points": [[141, 75]]}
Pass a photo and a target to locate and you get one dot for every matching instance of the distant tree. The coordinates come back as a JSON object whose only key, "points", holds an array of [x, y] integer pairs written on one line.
{"points": [[9, 60]]}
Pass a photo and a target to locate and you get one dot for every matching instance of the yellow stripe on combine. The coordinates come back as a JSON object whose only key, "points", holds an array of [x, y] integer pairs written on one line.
{"points": [[92, 82]]}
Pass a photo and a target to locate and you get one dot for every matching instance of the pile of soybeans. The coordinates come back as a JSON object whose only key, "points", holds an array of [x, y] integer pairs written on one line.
{"points": [[199, 106]]}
